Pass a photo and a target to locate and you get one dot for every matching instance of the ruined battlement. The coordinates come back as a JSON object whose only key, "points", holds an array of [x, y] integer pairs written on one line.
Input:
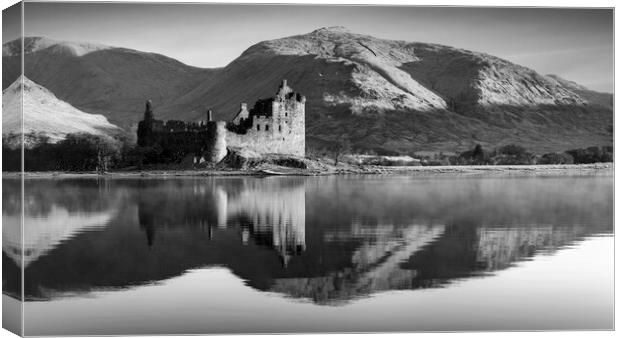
{"points": [[274, 125], [174, 126], [275, 113]]}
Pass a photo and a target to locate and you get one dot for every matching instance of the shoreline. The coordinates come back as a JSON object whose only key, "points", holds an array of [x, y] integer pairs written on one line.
{"points": [[553, 169]]}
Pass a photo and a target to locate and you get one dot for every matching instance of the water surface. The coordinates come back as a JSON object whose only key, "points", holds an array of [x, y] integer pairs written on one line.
{"points": [[286, 254]]}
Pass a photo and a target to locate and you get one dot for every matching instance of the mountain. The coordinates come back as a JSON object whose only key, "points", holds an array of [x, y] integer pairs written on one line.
{"points": [[396, 96], [101, 79], [387, 96], [593, 97], [46, 114]]}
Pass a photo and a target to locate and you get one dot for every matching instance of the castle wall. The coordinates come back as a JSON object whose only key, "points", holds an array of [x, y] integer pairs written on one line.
{"points": [[279, 134], [265, 144]]}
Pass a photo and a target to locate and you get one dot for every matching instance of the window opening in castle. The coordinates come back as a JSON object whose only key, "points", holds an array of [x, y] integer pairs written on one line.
{"points": [[258, 127], [266, 127], [279, 128]]}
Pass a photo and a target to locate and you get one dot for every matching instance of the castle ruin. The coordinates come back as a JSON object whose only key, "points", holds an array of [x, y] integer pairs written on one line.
{"points": [[274, 125]]}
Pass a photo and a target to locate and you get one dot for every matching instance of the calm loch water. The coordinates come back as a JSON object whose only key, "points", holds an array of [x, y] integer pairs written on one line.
{"points": [[285, 254]]}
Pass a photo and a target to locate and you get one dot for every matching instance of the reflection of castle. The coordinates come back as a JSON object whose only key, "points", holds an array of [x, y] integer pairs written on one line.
{"points": [[277, 217], [273, 125], [270, 215]]}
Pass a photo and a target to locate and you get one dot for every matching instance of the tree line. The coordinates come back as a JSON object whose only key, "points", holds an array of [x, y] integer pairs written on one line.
{"points": [[513, 154], [76, 152], [86, 152]]}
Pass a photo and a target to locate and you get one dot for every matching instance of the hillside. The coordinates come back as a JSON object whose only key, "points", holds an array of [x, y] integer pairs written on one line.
{"points": [[44, 113], [101, 79], [592, 97], [397, 96], [387, 96]]}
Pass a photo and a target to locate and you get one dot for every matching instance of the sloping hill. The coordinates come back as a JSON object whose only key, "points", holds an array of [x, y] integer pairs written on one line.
{"points": [[44, 113], [101, 79], [397, 96]]}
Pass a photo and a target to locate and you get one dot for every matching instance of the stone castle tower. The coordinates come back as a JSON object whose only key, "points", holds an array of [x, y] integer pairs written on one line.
{"points": [[145, 127], [273, 125]]}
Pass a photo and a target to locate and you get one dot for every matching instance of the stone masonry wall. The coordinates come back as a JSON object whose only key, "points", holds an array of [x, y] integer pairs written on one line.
{"points": [[281, 130]]}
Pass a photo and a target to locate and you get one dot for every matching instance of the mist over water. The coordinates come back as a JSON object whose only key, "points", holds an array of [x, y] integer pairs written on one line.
{"points": [[209, 255]]}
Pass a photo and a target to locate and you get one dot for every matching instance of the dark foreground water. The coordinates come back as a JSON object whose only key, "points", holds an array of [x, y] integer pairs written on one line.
{"points": [[286, 254]]}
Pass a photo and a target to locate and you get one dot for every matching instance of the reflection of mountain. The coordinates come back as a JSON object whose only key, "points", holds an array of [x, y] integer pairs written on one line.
{"points": [[52, 216], [376, 267], [498, 248], [43, 234], [328, 239]]}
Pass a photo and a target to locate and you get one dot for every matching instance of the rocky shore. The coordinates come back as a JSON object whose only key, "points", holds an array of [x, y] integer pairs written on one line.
{"points": [[341, 169]]}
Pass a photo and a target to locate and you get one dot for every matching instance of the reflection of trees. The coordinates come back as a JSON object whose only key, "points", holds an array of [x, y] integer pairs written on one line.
{"points": [[11, 196], [507, 201], [41, 195]]}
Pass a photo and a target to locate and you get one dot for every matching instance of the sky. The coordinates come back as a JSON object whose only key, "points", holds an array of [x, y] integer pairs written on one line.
{"points": [[576, 44]]}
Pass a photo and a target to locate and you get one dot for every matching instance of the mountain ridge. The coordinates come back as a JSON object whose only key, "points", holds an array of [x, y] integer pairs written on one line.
{"points": [[387, 95], [105, 80], [36, 43]]}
